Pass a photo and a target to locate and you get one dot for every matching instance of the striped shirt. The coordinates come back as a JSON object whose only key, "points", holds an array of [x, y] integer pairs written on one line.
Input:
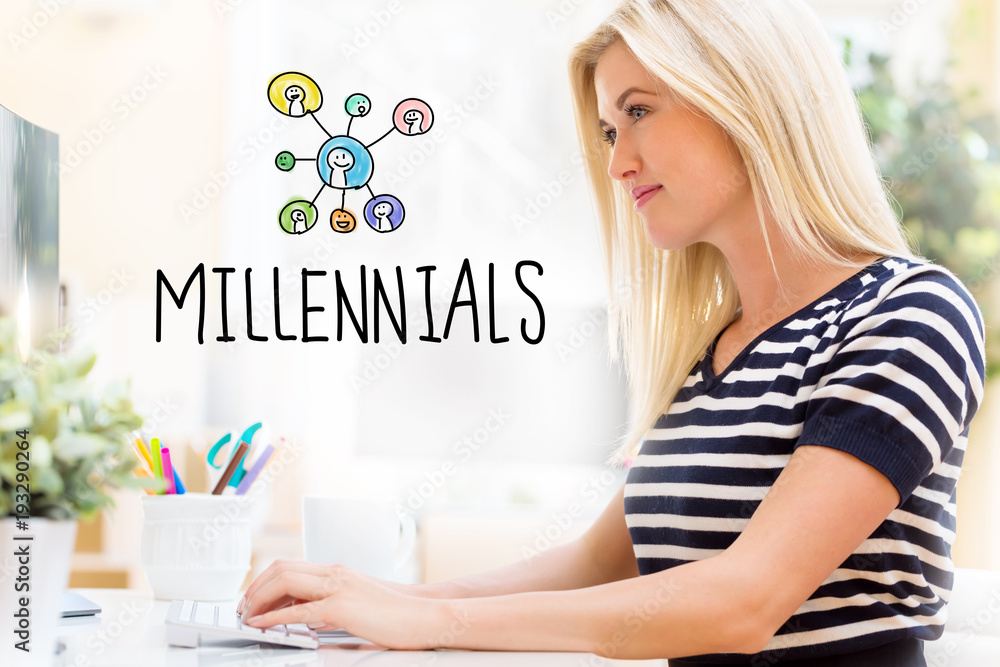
{"points": [[887, 366]]}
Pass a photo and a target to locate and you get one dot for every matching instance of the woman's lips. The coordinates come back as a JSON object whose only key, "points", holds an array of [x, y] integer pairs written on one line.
{"points": [[644, 194]]}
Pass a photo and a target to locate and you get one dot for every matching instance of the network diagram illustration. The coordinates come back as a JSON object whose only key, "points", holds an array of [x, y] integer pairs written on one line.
{"points": [[343, 162]]}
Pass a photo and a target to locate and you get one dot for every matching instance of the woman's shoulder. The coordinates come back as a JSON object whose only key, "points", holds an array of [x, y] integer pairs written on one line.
{"points": [[919, 307], [908, 286]]}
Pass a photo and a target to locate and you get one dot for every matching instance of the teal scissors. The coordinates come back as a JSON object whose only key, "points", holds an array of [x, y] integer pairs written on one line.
{"points": [[228, 446]]}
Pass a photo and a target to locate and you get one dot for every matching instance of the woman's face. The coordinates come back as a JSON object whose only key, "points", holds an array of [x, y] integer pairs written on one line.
{"points": [[696, 183]]}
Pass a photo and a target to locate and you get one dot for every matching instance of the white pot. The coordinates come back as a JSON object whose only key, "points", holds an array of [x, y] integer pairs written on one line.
{"points": [[41, 579], [196, 546]]}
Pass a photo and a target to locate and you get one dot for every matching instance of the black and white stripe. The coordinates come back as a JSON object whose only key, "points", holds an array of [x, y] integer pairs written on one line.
{"points": [[888, 366]]}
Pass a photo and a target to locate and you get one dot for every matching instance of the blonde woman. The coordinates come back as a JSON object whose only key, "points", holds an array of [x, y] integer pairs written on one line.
{"points": [[804, 381]]}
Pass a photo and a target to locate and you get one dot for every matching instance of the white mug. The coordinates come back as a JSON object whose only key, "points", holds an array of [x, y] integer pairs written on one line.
{"points": [[366, 534]]}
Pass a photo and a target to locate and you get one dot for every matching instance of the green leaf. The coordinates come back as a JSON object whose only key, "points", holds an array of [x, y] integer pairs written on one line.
{"points": [[73, 446], [14, 415]]}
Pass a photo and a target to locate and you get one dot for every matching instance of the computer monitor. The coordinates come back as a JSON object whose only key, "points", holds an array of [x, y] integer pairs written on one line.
{"points": [[29, 226]]}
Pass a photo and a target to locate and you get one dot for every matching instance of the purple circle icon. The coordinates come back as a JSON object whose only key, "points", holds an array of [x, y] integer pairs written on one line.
{"points": [[384, 213]]}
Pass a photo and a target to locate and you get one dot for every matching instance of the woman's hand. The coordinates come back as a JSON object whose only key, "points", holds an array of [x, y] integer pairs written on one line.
{"points": [[328, 597]]}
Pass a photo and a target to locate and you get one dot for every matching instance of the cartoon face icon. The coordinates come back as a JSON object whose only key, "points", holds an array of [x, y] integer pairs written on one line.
{"points": [[285, 161], [294, 93], [382, 209], [342, 220], [340, 158], [357, 105], [297, 217], [413, 119]]}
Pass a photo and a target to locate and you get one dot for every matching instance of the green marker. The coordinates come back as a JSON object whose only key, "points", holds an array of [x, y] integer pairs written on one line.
{"points": [[154, 444]]}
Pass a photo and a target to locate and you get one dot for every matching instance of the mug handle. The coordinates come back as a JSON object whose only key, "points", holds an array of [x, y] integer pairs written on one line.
{"points": [[407, 540]]}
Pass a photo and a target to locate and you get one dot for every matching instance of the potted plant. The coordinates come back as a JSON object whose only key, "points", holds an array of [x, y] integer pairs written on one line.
{"points": [[61, 446]]}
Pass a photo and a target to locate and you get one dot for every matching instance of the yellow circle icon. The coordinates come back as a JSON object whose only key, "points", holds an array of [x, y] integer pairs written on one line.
{"points": [[294, 94]]}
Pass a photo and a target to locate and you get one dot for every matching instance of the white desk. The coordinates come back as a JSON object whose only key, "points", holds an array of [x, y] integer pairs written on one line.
{"points": [[129, 632]]}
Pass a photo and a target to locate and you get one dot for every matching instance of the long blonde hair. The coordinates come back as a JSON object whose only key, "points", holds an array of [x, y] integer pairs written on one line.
{"points": [[767, 73]]}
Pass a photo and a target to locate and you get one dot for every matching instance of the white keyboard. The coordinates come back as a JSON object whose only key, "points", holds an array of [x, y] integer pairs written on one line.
{"points": [[188, 622]]}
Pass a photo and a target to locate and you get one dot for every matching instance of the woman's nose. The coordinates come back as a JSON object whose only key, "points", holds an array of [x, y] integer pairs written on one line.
{"points": [[624, 163]]}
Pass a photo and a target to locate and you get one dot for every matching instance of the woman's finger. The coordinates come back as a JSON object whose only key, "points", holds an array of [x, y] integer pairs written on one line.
{"points": [[309, 613], [275, 569], [286, 587]]}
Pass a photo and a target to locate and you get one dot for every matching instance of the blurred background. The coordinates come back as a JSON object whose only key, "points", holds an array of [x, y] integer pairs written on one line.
{"points": [[167, 147]]}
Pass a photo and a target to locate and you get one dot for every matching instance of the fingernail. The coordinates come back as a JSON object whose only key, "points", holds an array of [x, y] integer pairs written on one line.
{"points": [[239, 607], [249, 621]]}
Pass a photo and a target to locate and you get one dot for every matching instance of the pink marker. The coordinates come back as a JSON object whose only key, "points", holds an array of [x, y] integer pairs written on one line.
{"points": [[168, 471]]}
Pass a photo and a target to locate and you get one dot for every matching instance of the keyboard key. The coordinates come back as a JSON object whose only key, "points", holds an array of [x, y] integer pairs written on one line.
{"points": [[300, 633], [221, 621], [204, 613], [229, 619]]}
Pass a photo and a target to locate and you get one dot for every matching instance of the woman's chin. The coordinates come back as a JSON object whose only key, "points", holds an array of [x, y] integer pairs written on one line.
{"points": [[656, 237]]}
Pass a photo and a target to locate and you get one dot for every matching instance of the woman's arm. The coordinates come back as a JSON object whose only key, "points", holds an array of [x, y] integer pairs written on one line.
{"points": [[603, 554], [820, 509], [559, 568], [692, 609]]}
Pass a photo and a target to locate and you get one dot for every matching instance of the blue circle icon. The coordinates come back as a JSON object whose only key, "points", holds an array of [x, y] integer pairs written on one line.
{"points": [[344, 163], [384, 213]]}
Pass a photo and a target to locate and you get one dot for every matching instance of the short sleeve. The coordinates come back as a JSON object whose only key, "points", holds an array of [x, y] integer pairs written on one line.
{"points": [[905, 380]]}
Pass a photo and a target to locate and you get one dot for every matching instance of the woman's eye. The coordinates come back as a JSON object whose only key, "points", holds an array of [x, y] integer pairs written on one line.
{"points": [[609, 136], [635, 112]]}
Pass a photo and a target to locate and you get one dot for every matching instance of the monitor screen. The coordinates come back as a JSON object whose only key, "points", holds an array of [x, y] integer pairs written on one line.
{"points": [[29, 226]]}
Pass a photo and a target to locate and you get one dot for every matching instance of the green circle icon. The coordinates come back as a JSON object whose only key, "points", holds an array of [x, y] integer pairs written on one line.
{"points": [[285, 161], [358, 105], [297, 217]]}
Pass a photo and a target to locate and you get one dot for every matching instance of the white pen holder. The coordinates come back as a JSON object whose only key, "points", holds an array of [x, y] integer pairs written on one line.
{"points": [[196, 546]]}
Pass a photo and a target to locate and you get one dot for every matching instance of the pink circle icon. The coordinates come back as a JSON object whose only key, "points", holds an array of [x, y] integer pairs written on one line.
{"points": [[412, 116]]}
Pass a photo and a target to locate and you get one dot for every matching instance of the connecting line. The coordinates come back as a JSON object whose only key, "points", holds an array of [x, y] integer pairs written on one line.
{"points": [[320, 124], [343, 195], [381, 138], [370, 191], [351, 120], [313, 202], [304, 159]]}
